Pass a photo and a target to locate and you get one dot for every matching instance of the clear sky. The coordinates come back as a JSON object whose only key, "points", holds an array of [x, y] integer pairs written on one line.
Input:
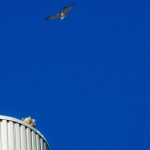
{"points": [[86, 80]]}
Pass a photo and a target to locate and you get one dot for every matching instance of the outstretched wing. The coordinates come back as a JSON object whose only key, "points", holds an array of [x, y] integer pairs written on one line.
{"points": [[64, 12], [70, 7], [53, 17]]}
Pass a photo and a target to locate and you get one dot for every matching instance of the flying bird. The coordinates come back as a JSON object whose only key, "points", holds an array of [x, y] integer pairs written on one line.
{"points": [[62, 14]]}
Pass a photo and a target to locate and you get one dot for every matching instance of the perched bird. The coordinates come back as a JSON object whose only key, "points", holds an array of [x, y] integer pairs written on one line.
{"points": [[62, 14], [29, 121]]}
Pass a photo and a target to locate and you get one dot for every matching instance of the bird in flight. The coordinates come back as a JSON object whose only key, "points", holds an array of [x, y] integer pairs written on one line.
{"points": [[62, 14]]}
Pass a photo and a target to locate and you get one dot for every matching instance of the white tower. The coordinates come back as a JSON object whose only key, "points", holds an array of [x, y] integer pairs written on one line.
{"points": [[18, 135]]}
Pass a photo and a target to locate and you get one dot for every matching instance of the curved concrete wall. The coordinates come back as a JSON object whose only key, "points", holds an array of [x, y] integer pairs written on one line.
{"points": [[18, 135]]}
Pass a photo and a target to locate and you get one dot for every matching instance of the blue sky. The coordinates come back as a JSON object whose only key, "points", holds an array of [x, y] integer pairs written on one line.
{"points": [[86, 80]]}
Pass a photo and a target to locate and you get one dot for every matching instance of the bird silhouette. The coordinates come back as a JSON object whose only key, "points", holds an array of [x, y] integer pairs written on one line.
{"points": [[62, 14]]}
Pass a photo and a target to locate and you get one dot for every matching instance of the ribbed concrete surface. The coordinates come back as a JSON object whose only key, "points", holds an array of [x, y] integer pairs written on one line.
{"points": [[17, 135]]}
